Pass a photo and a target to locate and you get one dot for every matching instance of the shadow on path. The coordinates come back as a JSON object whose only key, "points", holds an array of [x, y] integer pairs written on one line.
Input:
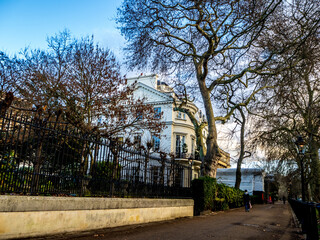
{"points": [[262, 222]]}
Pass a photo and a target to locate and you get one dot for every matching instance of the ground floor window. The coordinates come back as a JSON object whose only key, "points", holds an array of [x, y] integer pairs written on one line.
{"points": [[156, 143], [137, 141]]}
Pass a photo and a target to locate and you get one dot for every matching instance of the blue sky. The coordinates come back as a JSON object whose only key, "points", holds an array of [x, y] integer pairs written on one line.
{"points": [[26, 23]]}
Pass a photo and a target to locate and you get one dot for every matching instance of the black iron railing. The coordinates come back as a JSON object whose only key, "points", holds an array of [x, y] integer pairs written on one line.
{"points": [[38, 156], [308, 216]]}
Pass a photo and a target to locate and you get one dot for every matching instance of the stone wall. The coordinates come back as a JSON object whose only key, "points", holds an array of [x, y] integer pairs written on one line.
{"points": [[28, 216]]}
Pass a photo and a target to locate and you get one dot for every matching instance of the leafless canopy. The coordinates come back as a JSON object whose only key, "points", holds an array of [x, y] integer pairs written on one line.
{"points": [[214, 41], [80, 79]]}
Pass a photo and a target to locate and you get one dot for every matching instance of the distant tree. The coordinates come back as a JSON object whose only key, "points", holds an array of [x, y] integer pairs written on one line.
{"points": [[235, 99], [292, 107], [241, 120]]}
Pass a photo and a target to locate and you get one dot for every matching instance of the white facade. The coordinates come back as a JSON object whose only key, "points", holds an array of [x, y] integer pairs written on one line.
{"points": [[252, 179], [178, 135]]}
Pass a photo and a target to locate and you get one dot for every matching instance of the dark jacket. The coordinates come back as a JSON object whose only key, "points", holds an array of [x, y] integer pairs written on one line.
{"points": [[246, 198]]}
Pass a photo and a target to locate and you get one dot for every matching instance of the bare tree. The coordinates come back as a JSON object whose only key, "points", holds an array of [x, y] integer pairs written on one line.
{"points": [[7, 74], [235, 99], [292, 107], [243, 154], [211, 40], [82, 79], [81, 82]]}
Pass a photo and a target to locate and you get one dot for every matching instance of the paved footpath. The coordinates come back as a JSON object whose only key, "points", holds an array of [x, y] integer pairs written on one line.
{"points": [[262, 222]]}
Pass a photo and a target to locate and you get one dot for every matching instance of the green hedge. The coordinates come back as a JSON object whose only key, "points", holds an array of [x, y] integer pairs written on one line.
{"points": [[209, 195], [203, 193], [227, 197]]}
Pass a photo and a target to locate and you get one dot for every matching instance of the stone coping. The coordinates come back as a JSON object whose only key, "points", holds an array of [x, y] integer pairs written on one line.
{"points": [[41, 203]]}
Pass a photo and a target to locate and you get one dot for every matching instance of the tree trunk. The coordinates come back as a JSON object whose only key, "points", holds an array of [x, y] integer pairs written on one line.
{"points": [[115, 165], [146, 161], [200, 144], [210, 163], [37, 168], [38, 159], [315, 172], [238, 172]]}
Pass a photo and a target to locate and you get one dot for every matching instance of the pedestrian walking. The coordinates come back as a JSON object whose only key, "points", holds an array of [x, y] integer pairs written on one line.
{"points": [[246, 201], [284, 199]]}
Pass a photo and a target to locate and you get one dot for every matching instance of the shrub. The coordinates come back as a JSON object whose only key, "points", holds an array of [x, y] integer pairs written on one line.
{"points": [[104, 174], [203, 193], [209, 195], [228, 197]]}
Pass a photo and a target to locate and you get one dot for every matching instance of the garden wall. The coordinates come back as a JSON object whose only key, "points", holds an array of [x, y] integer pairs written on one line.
{"points": [[28, 216]]}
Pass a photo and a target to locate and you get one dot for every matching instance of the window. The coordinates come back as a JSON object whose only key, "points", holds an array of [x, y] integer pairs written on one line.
{"points": [[181, 115], [180, 141], [137, 141], [120, 139], [192, 146], [178, 177], [155, 174], [156, 143], [157, 112], [135, 174], [178, 144]]}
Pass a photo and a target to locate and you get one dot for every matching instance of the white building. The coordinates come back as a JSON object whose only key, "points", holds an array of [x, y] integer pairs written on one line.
{"points": [[179, 136], [252, 179]]}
